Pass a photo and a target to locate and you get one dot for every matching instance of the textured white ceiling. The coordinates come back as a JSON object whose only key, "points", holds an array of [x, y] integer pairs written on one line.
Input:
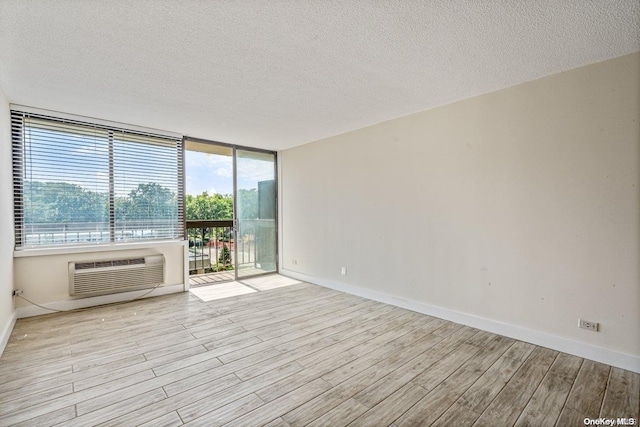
{"points": [[276, 74]]}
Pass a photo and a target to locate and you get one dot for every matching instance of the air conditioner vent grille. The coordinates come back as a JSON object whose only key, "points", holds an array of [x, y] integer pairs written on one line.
{"points": [[108, 263], [117, 275], [85, 265]]}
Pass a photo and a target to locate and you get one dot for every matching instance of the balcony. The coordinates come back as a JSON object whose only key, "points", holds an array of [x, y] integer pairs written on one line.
{"points": [[214, 245]]}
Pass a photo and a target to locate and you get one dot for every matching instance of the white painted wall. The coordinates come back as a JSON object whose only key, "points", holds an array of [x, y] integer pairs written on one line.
{"points": [[7, 311], [521, 207], [44, 279]]}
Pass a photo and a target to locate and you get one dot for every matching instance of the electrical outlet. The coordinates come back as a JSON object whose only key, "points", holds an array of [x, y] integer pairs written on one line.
{"points": [[17, 292], [343, 271], [587, 324], [294, 261]]}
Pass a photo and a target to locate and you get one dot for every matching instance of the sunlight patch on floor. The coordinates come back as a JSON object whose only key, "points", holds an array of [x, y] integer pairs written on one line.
{"points": [[272, 281], [244, 286], [221, 290]]}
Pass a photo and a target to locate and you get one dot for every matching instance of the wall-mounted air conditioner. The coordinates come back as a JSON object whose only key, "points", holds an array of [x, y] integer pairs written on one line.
{"points": [[91, 278]]}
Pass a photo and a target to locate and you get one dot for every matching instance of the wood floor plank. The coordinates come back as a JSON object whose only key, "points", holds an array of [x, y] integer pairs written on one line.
{"points": [[358, 382], [322, 344], [290, 341], [291, 356], [509, 403], [228, 412], [201, 373], [380, 348], [50, 418], [109, 363], [570, 417], [94, 393], [278, 422], [494, 348], [280, 321], [360, 334], [34, 399], [132, 369], [409, 331], [387, 411], [204, 342], [443, 396], [456, 415], [548, 400], [439, 360], [47, 384], [324, 329], [129, 391], [339, 317], [341, 415], [478, 397], [261, 317], [23, 380], [202, 357], [298, 379], [112, 411], [437, 401], [361, 338], [117, 387], [445, 366], [520, 351], [588, 389], [170, 404], [276, 408], [198, 408], [622, 397], [169, 420]]}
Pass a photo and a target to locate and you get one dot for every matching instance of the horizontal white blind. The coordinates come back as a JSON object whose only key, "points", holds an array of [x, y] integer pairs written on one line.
{"points": [[79, 183]]}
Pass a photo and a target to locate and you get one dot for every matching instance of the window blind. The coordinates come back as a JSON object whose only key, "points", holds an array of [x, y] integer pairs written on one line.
{"points": [[78, 183]]}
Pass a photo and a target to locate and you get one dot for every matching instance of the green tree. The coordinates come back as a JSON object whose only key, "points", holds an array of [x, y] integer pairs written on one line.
{"points": [[146, 201], [63, 203], [205, 206], [225, 256]]}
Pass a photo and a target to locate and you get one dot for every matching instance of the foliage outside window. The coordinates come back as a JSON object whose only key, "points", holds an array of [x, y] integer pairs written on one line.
{"points": [[79, 183]]}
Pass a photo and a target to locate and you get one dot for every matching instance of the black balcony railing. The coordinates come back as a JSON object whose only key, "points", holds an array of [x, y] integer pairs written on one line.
{"points": [[211, 245]]}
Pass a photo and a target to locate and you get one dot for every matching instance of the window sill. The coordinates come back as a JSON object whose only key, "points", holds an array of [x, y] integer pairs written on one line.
{"points": [[96, 248]]}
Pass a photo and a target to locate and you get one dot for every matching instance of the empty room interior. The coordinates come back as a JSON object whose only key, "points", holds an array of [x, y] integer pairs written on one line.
{"points": [[358, 212]]}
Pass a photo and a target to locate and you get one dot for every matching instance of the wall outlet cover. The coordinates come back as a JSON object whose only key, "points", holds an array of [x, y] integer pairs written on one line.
{"points": [[587, 324]]}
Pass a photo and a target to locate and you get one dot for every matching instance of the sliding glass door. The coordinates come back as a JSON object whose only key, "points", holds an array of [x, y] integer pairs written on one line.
{"points": [[230, 206], [255, 211]]}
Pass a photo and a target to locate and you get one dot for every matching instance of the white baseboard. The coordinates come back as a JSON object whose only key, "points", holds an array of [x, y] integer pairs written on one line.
{"points": [[565, 345], [6, 331], [32, 310]]}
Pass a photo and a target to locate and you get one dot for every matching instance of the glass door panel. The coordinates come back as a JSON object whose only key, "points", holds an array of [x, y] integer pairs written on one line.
{"points": [[256, 240], [209, 212]]}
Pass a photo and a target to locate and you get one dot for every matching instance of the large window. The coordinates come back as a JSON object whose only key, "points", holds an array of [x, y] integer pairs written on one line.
{"points": [[78, 183]]}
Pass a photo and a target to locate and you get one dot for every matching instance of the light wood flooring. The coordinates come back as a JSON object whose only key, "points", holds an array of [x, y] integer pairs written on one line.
{"points": [[296, 355]]}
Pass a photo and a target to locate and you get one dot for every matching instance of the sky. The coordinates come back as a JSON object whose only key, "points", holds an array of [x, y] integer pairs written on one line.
{"points": [[208, 172], [213, 173]]}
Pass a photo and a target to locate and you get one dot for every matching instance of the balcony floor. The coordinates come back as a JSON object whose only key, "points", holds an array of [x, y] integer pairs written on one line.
{"points": [[210, 278], [197, 280]]}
